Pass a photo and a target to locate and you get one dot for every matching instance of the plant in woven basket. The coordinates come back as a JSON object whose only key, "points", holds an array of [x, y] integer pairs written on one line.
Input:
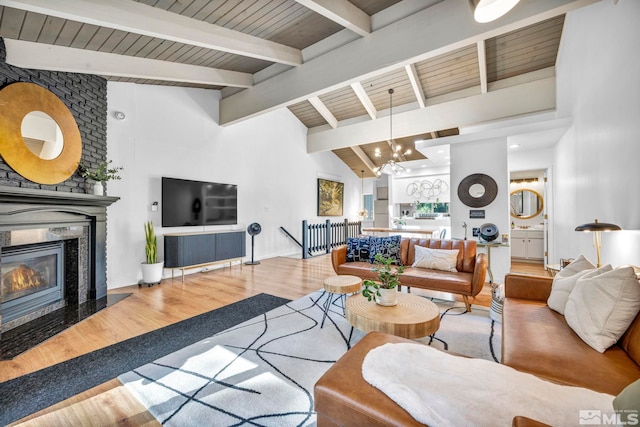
{"points": [[388, 277]]}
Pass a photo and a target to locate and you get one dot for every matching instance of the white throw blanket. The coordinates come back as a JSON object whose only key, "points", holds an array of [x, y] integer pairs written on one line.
{"points": [[439, 389]]}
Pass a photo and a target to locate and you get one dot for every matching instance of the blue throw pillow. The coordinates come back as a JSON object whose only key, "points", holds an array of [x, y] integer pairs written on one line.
{"points": [[388, 247], [358, 249]]}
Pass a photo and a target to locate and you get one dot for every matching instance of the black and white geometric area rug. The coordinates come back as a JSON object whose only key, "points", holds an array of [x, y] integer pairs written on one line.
{"points": [[262, 372]]}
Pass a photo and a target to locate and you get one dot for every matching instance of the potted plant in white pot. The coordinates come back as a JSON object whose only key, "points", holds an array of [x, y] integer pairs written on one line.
{"points": [[384, 289], [101, 175], [151, 268]]}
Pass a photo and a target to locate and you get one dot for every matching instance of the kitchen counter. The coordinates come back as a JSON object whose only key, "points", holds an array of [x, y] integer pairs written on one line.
{"points": [[375, 231]]}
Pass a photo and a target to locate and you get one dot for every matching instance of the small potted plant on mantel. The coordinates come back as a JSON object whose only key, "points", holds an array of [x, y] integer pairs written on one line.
{"points": [[384, 290], [151, 268], [101, 175]]}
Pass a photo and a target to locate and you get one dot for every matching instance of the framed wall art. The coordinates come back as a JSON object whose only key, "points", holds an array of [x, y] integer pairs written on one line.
{"points": [[330, 197]]}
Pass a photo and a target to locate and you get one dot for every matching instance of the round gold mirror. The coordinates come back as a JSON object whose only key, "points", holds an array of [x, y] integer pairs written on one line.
{"points": [[525, 203], [39, 137]]}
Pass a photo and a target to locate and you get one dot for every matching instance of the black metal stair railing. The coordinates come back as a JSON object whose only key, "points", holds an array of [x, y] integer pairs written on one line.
{"points": [[318, 239], [284, 230]]}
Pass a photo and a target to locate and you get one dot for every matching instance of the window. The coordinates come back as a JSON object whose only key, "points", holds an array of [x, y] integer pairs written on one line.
{"points": [[368, 205]]}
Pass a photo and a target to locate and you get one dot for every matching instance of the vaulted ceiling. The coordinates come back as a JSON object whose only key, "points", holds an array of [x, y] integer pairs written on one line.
{"points": [[330, 62]]}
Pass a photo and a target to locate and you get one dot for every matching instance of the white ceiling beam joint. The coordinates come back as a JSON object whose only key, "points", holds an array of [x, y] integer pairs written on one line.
{"points": [[482, 65], [412, 73], [341, 12], [365, 100], [533, 97], [365, 159], [139, 18], [41, 56], [324, 111], [444, 27]]}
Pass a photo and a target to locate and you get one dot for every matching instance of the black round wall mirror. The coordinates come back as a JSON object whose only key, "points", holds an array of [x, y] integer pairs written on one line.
{"points": [[477, 190]]}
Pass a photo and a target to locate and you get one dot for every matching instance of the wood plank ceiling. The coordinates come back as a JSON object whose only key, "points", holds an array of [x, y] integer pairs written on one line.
{"points": [[297, 24]]}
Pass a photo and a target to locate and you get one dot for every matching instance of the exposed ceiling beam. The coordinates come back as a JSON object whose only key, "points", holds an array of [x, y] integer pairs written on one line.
{"points": [[365, 159], [343, 13], [364, 100], [412, 73], [139, 18], [525, 98], [441, 28], [504, 129], [57, 58], [324, 111], [482, 65]]}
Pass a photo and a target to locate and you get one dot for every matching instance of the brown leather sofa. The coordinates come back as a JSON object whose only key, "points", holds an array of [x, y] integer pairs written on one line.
{"points": [[467, 281], [535, 339], [538, 340]]}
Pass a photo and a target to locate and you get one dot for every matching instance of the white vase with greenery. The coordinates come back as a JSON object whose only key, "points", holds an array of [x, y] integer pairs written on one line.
{"points": [[151, 268], [100, 175], [384, 290]]}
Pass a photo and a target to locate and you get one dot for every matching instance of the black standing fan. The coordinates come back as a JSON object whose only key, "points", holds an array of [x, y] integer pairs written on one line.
{"points": [[253, 229]]}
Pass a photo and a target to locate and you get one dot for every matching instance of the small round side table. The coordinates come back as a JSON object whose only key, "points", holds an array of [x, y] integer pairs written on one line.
{"points": [[339, 286]]}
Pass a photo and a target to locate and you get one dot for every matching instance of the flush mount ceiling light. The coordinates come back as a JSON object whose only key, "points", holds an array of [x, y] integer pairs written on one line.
{"points": [[490, 10], [391, 166]]}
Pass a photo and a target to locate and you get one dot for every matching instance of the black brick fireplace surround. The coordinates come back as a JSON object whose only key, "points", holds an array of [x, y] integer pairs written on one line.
{"points": [[26, 205]]}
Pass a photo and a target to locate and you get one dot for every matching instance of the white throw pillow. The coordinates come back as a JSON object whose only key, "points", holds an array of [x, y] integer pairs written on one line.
{"points": [[601, 308], [565, 280], [436, 259]]}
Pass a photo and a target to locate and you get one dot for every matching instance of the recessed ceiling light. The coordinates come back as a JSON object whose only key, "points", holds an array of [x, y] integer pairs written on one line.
{"points": [[440, 151], [514, 146]]}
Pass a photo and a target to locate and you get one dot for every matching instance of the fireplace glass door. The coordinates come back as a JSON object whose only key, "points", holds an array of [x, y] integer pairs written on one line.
{"points": [[31, 278]]}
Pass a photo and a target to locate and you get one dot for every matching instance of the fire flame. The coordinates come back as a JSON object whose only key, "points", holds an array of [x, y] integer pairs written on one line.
{"points": [[23, 277]]}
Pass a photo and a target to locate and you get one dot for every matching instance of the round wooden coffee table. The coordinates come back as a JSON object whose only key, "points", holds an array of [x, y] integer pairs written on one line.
{"points": [[412, 317], [341, 286]]}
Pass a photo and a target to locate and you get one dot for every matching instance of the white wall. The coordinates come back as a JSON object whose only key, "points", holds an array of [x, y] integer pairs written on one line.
{"points": [[171, 131], [596, 162], [488, 157]]}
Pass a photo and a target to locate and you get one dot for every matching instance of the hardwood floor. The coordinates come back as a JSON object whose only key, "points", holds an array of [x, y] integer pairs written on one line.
{"points": [[151, 308]]}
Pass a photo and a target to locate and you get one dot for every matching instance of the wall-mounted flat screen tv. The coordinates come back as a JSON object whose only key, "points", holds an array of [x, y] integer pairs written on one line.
{"points": [[186, 202]]}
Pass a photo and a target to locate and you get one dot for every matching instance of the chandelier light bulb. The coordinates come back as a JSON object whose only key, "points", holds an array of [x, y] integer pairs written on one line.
{"points": [[408, 152]]}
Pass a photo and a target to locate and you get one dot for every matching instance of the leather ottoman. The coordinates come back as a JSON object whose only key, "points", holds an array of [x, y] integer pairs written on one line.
{"points": [[343, 398]]}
